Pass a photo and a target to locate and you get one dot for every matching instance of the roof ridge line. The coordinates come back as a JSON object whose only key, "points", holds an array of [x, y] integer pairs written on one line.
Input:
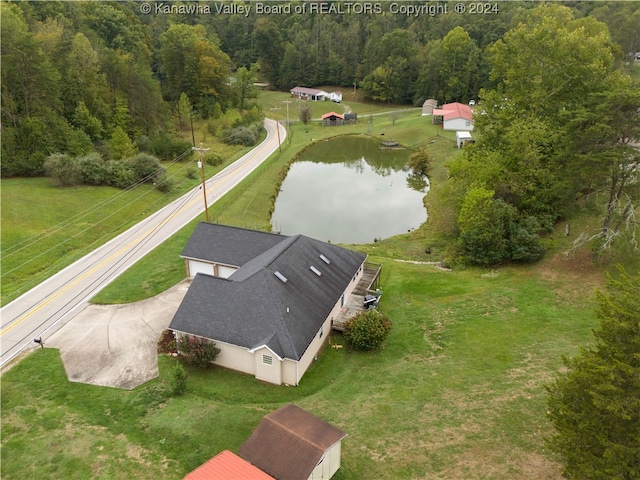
{"points": [[293, 432]]}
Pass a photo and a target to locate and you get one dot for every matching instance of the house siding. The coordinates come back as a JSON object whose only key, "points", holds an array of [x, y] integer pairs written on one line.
{"points": [[315, 346], [195, 266], [329, 464], [236, 358], [267, 373], [458, 124]]}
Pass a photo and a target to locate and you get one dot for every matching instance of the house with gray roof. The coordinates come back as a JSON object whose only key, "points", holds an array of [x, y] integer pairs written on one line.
{"points": [[266, 300]]}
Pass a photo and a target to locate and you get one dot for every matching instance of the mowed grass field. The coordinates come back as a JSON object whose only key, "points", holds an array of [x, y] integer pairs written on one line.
{"points": [[456, 393], [46, 227]]}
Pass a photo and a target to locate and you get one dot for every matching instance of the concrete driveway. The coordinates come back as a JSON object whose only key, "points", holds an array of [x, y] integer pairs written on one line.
{"points": [[116, 345]]}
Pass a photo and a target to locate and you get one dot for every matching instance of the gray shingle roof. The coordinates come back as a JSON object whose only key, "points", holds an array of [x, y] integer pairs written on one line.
{"points": [[253, 307], [228, 245]]}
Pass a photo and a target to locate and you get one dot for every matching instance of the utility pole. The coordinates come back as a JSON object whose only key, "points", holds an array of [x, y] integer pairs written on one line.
{"points": [[276, 108], [288, 124], [287, 102], [204, 186]]}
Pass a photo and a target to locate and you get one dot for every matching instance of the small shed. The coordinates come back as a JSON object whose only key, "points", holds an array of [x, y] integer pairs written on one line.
{"points": [[351, 117], [428, 106], [293, 444], [462, 138], [331, 119]]}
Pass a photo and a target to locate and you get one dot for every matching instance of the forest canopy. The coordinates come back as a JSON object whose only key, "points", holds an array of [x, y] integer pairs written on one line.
{"points": [[73, 72]]}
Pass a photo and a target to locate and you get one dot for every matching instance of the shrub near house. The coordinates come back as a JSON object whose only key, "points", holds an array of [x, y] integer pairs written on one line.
{"points": [[367, 330]]}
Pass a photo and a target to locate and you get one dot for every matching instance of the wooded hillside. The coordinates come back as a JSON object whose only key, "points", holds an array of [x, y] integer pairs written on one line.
{"points": [[73, 72]]}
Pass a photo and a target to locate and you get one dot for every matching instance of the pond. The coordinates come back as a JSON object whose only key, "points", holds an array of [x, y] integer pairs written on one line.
{"points": [[349, 190]]}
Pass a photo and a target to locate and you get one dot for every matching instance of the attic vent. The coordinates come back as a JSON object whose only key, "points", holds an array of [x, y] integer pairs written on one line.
{"points": [[315, 270], [281, 277], [325, 259]]}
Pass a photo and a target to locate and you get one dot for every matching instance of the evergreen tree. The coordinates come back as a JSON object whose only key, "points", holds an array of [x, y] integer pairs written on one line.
{"points": [[595, 406]]}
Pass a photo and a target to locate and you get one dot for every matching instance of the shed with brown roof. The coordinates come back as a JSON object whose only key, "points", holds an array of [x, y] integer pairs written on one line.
{"points": [[293, 444]]}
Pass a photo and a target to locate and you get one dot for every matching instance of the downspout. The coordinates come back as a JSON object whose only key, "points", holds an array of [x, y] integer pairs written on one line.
{"points": [[297, 378]]}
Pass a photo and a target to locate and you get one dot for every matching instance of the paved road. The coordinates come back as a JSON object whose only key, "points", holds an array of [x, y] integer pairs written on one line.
{"points": [[42, 310]]}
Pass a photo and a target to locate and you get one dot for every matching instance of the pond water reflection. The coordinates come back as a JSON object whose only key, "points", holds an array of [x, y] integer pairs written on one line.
{"points": [[348, 190]]}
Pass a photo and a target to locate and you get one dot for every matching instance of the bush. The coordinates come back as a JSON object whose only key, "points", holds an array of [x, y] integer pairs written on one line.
{"points": [[525, 240], [92, 169], [367, 330], [120, 174], [179, 379], [63, 169], [197, 351], [246, 136], [420, 161], [147, 168], [214, 159], [162, 146]]}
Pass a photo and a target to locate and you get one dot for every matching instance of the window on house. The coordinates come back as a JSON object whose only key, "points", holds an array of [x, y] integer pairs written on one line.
{"points": [[267, 359], [321, 332]]}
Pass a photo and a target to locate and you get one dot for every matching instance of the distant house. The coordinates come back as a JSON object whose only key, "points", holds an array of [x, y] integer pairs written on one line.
{"points": [[454, 116], [227, 466], [305, 93], [332, 119], [267, 300], [428, 106], [335, 97], [293, 444]]}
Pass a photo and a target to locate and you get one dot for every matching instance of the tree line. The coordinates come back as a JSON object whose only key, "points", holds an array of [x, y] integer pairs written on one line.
{"points": [[556, 131], [80, 78], [75, 73]]}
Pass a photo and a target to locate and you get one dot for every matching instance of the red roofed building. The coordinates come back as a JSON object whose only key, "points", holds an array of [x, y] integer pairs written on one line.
{"points": [[292, 444], [332, 118], [454, 116], [227, 466]]}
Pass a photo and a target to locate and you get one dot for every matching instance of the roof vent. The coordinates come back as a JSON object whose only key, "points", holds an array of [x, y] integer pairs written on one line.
{"points": [[315, 270], [281, 277], [325, 259]]}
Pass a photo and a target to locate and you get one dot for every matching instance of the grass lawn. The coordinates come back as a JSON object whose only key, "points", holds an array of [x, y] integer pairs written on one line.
{"points": [[457, 392], [45, 227]]}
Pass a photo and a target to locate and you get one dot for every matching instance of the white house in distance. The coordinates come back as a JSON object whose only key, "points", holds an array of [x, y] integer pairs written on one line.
{"points": [[454, 116], [293, 444], [305, 93], [268, 301]]}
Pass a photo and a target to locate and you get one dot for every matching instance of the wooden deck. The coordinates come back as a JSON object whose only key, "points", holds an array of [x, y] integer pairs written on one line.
{"points": [[369, 283]]}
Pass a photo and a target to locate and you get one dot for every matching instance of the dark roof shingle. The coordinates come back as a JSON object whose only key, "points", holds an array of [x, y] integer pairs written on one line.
{"points": [[253, 307], [228, 245]]}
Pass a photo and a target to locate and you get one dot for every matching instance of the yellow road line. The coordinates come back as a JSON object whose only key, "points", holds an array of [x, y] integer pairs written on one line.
{"points": [[135, 242]]}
